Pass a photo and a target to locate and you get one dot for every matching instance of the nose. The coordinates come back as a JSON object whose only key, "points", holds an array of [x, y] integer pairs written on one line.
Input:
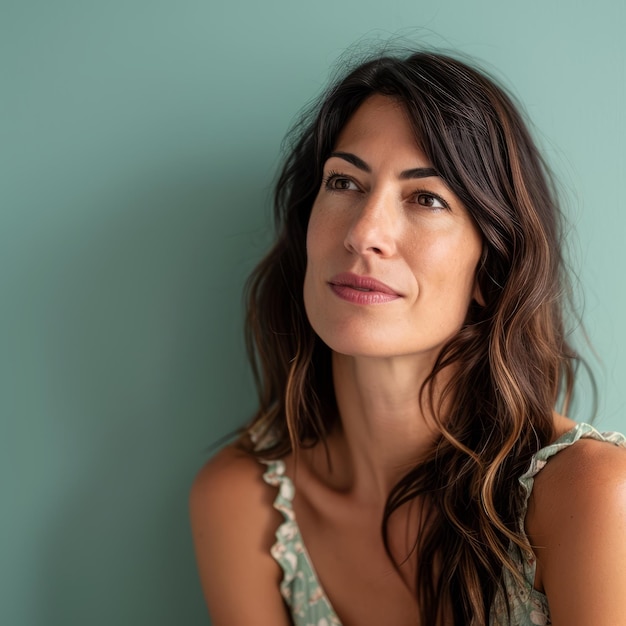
{"points": [[373, 230]]}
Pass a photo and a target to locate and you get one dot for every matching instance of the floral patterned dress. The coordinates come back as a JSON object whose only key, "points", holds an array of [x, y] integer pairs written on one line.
{"points": [[309, 604]]}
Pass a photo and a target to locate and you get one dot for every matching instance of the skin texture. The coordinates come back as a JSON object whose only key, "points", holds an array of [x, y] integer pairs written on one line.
{"points": [[416, 237], [577, 521], [233, 524], [412, 234]]}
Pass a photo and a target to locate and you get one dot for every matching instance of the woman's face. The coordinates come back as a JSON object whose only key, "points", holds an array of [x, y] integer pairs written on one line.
{"points": [[391, 251]]}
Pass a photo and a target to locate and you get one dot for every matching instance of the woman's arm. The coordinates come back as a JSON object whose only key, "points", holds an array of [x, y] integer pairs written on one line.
{"points": [[233, 524], [578, 523]]}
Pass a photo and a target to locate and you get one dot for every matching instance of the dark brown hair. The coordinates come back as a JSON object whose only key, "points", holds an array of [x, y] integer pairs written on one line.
{"points": [[511, 358]]}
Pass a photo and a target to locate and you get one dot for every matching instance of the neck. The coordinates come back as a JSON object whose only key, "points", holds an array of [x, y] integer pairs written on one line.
{"points": [[384, 429]]}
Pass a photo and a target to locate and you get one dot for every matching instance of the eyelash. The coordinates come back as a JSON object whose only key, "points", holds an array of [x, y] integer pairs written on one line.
{"points": [[444, 204], [333, 175]]}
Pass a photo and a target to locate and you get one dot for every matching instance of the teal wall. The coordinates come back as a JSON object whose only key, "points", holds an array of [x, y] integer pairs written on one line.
{"points": [[138, 139]]}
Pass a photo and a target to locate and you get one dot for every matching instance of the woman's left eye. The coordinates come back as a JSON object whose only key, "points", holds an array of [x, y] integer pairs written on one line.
{"points": [[430, 200]]}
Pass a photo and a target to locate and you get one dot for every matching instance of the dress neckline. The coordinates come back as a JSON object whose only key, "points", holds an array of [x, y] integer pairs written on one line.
{"points": [[289, 546], [290, 552]]}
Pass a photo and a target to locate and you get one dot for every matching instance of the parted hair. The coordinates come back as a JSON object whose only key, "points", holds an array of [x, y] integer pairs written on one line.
{"points": [[509, 361]]}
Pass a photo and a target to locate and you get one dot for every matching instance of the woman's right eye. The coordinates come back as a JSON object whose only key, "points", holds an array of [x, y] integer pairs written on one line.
{"points": [[339, 182]]}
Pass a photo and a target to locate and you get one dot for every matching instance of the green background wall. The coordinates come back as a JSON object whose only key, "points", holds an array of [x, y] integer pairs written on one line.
{"points": [[138, 140]]}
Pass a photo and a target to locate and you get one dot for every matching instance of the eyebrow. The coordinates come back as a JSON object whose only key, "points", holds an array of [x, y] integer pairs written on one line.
{"points": [[417, 172]]}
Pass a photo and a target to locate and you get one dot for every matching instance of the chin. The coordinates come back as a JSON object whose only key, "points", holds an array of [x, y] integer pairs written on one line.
{"points": [[373, 347]]}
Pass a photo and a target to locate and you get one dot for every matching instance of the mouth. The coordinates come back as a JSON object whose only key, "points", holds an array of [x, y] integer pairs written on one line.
{"points": [[362, 290], [365, 284]]}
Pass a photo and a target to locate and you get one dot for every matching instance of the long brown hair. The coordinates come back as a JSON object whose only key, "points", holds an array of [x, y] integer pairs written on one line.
{"points": [[511, 358]]}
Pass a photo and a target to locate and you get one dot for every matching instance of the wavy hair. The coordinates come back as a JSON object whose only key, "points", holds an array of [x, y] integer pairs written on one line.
{"points": [[510, 359]]}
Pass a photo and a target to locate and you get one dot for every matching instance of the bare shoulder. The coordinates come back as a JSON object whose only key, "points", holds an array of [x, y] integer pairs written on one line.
{"points": [[233, 525], [577, 524], [229, 475], [589, 468]]}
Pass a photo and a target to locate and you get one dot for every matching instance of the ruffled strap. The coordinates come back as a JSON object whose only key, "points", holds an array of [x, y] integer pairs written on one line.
{"points": [[580, 431], [529, 607], [287, 533], [299, 587]]}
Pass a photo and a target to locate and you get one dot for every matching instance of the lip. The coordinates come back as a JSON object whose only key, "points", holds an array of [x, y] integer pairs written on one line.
{"points": [[362, 289]]}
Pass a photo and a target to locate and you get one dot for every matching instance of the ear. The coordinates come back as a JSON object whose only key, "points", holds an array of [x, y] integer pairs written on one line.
{"points": [[477, 293]]}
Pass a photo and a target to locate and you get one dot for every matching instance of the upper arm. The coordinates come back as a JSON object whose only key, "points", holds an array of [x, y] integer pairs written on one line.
{"points": [[233, 525], [579, 530]]}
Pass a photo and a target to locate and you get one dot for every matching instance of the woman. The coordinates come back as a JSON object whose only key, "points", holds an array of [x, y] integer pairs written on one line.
{"points": [[407, 334]]}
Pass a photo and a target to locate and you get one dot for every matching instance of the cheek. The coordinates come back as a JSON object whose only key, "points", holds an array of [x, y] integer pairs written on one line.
{"points": [[314, 243], [469, 256], [311, 238], [312, 231], [452, 262], [312, 295], [319, 237]]}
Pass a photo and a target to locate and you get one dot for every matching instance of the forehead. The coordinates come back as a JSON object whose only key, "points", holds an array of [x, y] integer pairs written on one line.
{"points": [[380, 128]]}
